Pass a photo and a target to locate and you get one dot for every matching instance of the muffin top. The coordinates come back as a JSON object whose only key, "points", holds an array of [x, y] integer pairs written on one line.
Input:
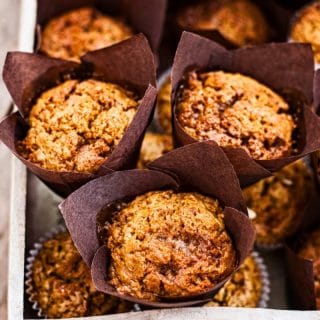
{"points": [[62, 283], [241, 22], [164, 106], [310, 249], [279, 201], [154, 145], [236, 111], [169, 244], [76, 32], [76, 125], [306, 27], [244, 289]]}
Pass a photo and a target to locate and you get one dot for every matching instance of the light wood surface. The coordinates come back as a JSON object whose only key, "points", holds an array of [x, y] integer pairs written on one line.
{"points": [[9, 19]]}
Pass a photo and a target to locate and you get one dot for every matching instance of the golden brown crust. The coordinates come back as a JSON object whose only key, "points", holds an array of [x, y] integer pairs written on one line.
{"points": [[236, 111], [62, 283], [154, 146], [76, 125], [76, 32], [241, 22], [164, 106], [244, 289], [278, 202], [310, 249], [306, 27], [169, 244]]}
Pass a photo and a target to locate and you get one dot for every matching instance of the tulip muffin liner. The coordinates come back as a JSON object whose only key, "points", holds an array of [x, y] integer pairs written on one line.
{"points": [[30, 290], [276, 15], [182, 169], [129, 63], [300, 270], [145, 17], [285, 68]]}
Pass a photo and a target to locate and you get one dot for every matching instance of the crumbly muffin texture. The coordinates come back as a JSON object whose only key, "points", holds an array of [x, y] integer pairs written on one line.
{"points": [[236, 111], [310, 249], [241, 22], [62, 283], [306, 27], [164, 106], [169, 244], [244, 289], [154, 145], [278, 202], [79, 31], [76, 125]]}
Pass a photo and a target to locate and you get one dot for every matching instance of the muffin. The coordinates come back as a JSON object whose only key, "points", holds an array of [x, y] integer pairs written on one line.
{"points": [[76, 32], [278, 202], [306, 27], [236, 111], [170, 244], [310, 249], [154, 145], [77, 124], [164, 106], [62, 286], [241, 22], [244, 289]]}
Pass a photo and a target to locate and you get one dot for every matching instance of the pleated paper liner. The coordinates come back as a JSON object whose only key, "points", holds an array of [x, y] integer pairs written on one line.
{"points": [[186, 167], [129, 63], [30, 290]]}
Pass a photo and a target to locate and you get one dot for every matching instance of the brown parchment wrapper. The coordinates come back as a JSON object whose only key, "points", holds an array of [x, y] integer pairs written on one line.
{"points": [[182, 169], [145, 17], [129, 63], [286, 68], [276, 15], [300, 271]]}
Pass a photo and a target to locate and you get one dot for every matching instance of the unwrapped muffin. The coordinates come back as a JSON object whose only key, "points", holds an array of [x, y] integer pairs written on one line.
{"points": [[278, 203], [310, 249], [164, 106], [244, 289], [61, 283], [236, 111], [79, 31], [240, 22], [165, 243], [154, 145], [76, 125], [306, 27]]}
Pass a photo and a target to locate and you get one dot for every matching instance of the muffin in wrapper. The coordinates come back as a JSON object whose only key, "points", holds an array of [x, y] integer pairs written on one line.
{"points": [[248, 287], [259, 22], [31, 289], [182, 169], [129, 64], [143, 17], [285, 68], [277, 204]]}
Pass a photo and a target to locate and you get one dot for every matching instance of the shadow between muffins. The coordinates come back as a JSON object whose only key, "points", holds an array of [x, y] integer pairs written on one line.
{"points": [[285, 68], [129, 63], [181, 169]]}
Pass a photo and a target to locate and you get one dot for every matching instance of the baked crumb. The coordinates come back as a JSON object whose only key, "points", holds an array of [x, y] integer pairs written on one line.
{"points": [[236, 111], [79, 31], [169, 244], [76, 125], [164, 106]]}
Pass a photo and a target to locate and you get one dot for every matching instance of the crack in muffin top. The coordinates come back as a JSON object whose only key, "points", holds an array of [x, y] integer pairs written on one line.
{"points": [[165, 243], [79, 31], [76, 125], [236, 111]]}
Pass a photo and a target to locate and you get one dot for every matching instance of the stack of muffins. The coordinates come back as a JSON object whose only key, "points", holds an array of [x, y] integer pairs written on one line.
{"points": [[169, 241]]}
